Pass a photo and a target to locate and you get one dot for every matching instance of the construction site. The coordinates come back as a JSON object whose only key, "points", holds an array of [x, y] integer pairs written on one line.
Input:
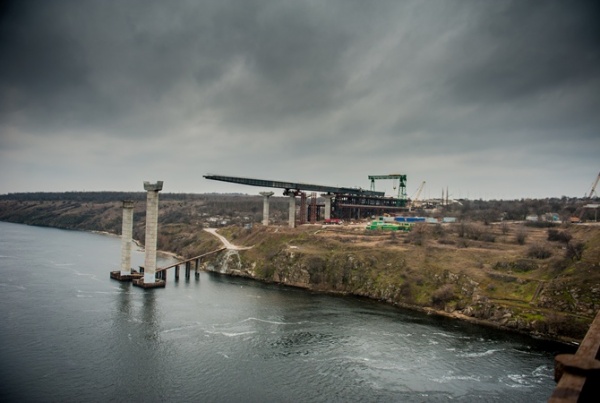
{"points": [[334, 205]]}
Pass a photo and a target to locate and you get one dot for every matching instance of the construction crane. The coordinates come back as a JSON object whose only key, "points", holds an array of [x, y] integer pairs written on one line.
{"points": [[401, 183], [594, 187], [415, 198]]}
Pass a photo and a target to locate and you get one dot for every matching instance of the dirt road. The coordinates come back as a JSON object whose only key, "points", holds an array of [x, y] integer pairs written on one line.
{"points": [[224, 240]]}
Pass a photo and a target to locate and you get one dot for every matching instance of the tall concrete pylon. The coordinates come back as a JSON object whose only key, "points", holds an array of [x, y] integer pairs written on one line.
{"points": [[126, 237], [327, 211], [292, 210], [152, 190], [266, 196]]}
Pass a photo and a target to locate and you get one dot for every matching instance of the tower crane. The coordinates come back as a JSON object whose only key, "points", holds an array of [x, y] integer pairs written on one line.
{"points": [[415, 198]]}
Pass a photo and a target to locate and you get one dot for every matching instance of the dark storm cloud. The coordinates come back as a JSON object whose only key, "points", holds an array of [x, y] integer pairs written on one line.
{"points": [[302, 82], [523, 49], [97, 62]]}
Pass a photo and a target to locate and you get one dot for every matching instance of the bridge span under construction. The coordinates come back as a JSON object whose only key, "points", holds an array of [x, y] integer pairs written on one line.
{"points": [[340, 202]]}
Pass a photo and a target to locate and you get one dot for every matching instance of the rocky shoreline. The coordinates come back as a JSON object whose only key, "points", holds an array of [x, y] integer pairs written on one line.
{"points": [[295, 272]]}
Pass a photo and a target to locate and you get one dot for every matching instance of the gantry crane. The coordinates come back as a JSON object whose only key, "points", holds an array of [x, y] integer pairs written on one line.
{"points": [[415, 198], [401, 184]]}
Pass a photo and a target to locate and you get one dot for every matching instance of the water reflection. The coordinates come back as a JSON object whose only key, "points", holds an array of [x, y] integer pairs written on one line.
{"points": [[149, 315]]}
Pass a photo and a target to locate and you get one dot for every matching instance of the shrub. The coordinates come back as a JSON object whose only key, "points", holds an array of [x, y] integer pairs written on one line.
{"points": [[438, 231], [559, 266], [487, 237], [539, 251], [475, 232], [463, 243], [406, 291], [560, 236], [524, 265], [521, 236], [418, 235], [521, 265], [443, 294], [575, 250]]}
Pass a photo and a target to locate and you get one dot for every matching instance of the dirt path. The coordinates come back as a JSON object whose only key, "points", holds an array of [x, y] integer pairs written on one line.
{"points": [[224, 240]]}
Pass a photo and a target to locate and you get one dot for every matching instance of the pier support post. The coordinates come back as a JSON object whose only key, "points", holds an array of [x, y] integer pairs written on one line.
{"points": [[266, 196], [152, 190], [327, 212], [177, 272], [126, 236], [292, 211], [187, 269]]}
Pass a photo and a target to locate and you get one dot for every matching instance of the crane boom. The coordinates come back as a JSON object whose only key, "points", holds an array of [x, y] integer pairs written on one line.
{"points": [[415, 198], [594, 187]]}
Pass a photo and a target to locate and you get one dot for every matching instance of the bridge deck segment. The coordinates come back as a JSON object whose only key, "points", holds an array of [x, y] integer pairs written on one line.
{"points": [[265, 183]]}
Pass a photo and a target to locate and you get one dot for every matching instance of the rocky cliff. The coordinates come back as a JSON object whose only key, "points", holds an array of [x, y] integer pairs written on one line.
{"points": [[494, 284]]}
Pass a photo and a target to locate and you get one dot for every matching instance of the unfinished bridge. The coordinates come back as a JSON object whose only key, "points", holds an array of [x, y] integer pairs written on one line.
{"points": [[340, 202]]}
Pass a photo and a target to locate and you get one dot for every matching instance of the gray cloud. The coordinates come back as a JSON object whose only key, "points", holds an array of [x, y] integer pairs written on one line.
{"points": [[300, 89]]}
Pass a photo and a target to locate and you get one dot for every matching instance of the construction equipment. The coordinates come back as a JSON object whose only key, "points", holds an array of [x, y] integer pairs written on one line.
{"points": [[414, 201], [401, 183], [591, 195]]}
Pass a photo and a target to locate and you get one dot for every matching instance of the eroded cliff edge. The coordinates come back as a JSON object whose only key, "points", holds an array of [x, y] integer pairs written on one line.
{"points": [[436, 269]]}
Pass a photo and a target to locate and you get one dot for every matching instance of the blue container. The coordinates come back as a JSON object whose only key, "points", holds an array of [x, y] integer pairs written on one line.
{"points": [[410, 219]]}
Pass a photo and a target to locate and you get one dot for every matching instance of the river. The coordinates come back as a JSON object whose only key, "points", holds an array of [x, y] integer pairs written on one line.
{"points": [[70, 333]]}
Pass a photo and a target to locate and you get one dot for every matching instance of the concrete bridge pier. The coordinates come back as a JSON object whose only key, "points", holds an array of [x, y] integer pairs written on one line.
{"points": [[327, 212], [292, 211], [126, 273], [150, 279], [266, 196], [152, 190], [126, 236]]}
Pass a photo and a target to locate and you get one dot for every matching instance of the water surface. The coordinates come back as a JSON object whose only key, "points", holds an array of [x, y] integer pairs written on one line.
{"points": [[69, 333]]}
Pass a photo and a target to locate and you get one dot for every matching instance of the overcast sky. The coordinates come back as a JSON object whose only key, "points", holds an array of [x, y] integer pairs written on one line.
{"points": [[492, 99]]}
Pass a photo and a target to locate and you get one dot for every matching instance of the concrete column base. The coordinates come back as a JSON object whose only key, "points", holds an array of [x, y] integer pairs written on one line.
{"points": [[155, 284], [133, 275]]}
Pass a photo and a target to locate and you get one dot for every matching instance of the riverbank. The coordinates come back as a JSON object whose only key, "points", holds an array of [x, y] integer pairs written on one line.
{"points": [[494, 284], [195, 336], [540, 281], [564, 339]]}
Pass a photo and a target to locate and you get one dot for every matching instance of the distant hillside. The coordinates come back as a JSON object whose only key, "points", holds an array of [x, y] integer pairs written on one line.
{"points": [[183, 214]]}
